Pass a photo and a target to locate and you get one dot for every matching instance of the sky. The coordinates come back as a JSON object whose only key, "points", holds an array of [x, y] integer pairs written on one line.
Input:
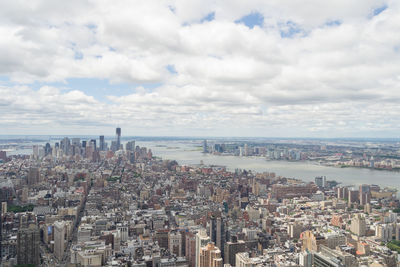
{"points": [[273, 68]]}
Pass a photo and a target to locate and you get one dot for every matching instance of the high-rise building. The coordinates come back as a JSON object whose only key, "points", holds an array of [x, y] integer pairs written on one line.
{"points": [[130, 146], [320, 181], [102, 143], [365, 194], [190, 248], [47, 149], [76, 141], [59, 239], [306, 259], [3, 207], [65, 145], [118, 132], [353, 196], [365, 198], [294, 230], [218, 233], [28, 242], [202, 240], [210, 256], [93, 144], [358, 225], [175, 243], [311, 241], [33, 176], [205, 147], [130, 151], [231, 249], [342, 192], [384, 232], [3, 156]]}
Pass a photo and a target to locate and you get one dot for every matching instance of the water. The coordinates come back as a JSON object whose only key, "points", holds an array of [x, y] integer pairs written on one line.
{"points": [[188, 153]]}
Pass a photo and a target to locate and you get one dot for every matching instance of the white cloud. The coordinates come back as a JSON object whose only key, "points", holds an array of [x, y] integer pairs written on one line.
{"points": [[336, 80]]}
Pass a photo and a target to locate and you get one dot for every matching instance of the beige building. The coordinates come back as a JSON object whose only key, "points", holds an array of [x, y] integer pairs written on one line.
{"points": [[3, 208], [210, 256], [358, 225], [243, 260], [202, 239], [175, 243], [89, 258], [59, 239], [311, 241]]}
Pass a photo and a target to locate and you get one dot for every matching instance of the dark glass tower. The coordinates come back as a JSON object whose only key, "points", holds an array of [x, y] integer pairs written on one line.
{"points": [[118, 132], [218, 233], [102, 144]]}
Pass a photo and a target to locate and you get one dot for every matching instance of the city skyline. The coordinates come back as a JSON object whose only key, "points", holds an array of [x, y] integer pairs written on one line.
{"points": [[202, 68]]}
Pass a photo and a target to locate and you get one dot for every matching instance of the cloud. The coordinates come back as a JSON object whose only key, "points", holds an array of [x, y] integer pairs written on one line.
{"points": [[324, 69]]}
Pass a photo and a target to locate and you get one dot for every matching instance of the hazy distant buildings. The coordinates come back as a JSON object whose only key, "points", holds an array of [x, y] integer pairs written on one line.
{"points": [[118, 132], [320, 181], [205, 147], [280, 191], [65, 145], [365, 194], [33, 176], [3, 156], [47, 149], [102, 146], [130, 151], [93, 144], [130, 146], [353, 196]]}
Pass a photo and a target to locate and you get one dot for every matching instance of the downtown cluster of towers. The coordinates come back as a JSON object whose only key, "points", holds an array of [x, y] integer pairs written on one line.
{"points": [[76, 146]]}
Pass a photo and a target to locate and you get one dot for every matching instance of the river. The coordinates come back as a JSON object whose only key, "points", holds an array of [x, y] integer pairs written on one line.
{"points": [[188, 153]]}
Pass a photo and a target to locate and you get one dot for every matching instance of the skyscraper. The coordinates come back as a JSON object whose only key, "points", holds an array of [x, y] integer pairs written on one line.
{"points": [[130, 146], [202, 240], [33, 176], [231, 249], [118, 132], [102, 144], [59, 240], [28, 241], [3, 156], [205, 147], [130, 151], [210, 256], [217, 233], [365, 194], [65, 145], [175, 243], [320, 181], [358, 225], [93, 144], [47, 149]]}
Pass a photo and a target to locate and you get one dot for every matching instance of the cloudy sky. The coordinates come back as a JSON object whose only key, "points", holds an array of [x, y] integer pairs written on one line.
{"points": [[290, 68]]}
